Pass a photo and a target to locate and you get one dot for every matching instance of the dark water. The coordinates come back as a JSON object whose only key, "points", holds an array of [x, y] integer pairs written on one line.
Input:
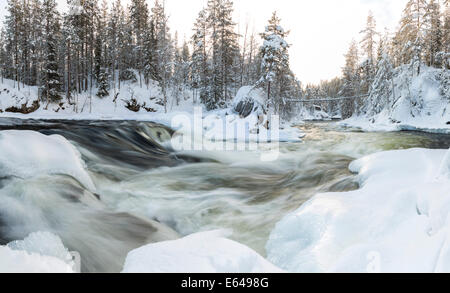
{"points": [[146, 192]]}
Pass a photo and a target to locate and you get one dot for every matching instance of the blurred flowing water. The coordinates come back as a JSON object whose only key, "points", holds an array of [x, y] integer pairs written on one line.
{"points": [[147, 192]]}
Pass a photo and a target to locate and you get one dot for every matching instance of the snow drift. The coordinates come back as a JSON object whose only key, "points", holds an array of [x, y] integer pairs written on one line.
{"points": [[397, 222], [207, 252], [28, 154]]}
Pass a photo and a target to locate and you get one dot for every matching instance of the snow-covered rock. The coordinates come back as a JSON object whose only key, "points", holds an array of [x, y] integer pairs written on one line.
{"points": [[28, 154], [40, 252], [207, 252], [397, 222], [249, 100]]}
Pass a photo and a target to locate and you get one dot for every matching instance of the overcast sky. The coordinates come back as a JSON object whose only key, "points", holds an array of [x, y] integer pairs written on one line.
{"points": [[321, 30]]}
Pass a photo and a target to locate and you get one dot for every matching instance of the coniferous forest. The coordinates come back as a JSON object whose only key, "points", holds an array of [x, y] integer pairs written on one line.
{"points": [[95, 46]]}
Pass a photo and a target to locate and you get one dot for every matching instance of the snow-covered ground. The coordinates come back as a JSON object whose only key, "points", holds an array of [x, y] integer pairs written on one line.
{"points": [[397, 222], [206, 252], [90, 107], [417, 103]]}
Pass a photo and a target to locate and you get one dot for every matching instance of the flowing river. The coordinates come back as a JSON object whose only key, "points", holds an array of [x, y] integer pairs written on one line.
{"points": [[143, 187]]}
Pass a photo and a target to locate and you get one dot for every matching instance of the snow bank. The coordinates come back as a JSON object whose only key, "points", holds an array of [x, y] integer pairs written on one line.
{"points": [[90, 107], [397, 222], [207, 252], [40, 252], [417, 103], [27, 154], [11, 96]]}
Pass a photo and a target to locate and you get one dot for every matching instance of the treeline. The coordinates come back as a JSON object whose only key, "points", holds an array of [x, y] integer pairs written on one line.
{"points": [[422, 38], [95, 47]]}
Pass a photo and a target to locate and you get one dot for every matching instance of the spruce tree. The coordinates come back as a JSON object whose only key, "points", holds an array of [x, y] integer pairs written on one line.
{"points": [[200, 68], [275, 69], [51, 80]]}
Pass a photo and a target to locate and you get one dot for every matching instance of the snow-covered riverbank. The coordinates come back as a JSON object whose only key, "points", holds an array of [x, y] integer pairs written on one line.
{"points": [[397, 222], [414, 102]]}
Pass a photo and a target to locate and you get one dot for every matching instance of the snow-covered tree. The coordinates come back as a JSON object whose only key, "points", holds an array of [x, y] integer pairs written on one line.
{"points": [[165, 49], [368, 41], [351, 79], [139, 16], [350, 71], [276, 74], [433, 37], [410, 37], [368, 45], [103, 84], [224, 48], [12, 29], [150, 54], [381, 94], [51, 80], [200, 58], [36, 39], [445, 56]]}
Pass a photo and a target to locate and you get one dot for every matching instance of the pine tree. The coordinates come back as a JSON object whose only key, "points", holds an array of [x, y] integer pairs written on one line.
{"points": [[351, 79], [139, 16], [433, 37], [165, 50], [410, 38], [368, 46], [368, 41], [446, 38], [200, 67], [51, 79], [3, 54], [13, 23], [150, 55], [381, 95], [36, 31], [98, 62], [225, 49], [115, 39], [229, 50]]}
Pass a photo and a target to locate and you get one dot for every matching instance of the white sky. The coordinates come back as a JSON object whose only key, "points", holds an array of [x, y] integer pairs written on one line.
{"points": [[321, 30]]}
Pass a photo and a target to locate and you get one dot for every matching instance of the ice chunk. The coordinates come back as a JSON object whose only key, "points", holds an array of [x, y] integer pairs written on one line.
{"points": [[207, 252], [43, 243], [13, 261], [40, 252], [28, 153]]}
